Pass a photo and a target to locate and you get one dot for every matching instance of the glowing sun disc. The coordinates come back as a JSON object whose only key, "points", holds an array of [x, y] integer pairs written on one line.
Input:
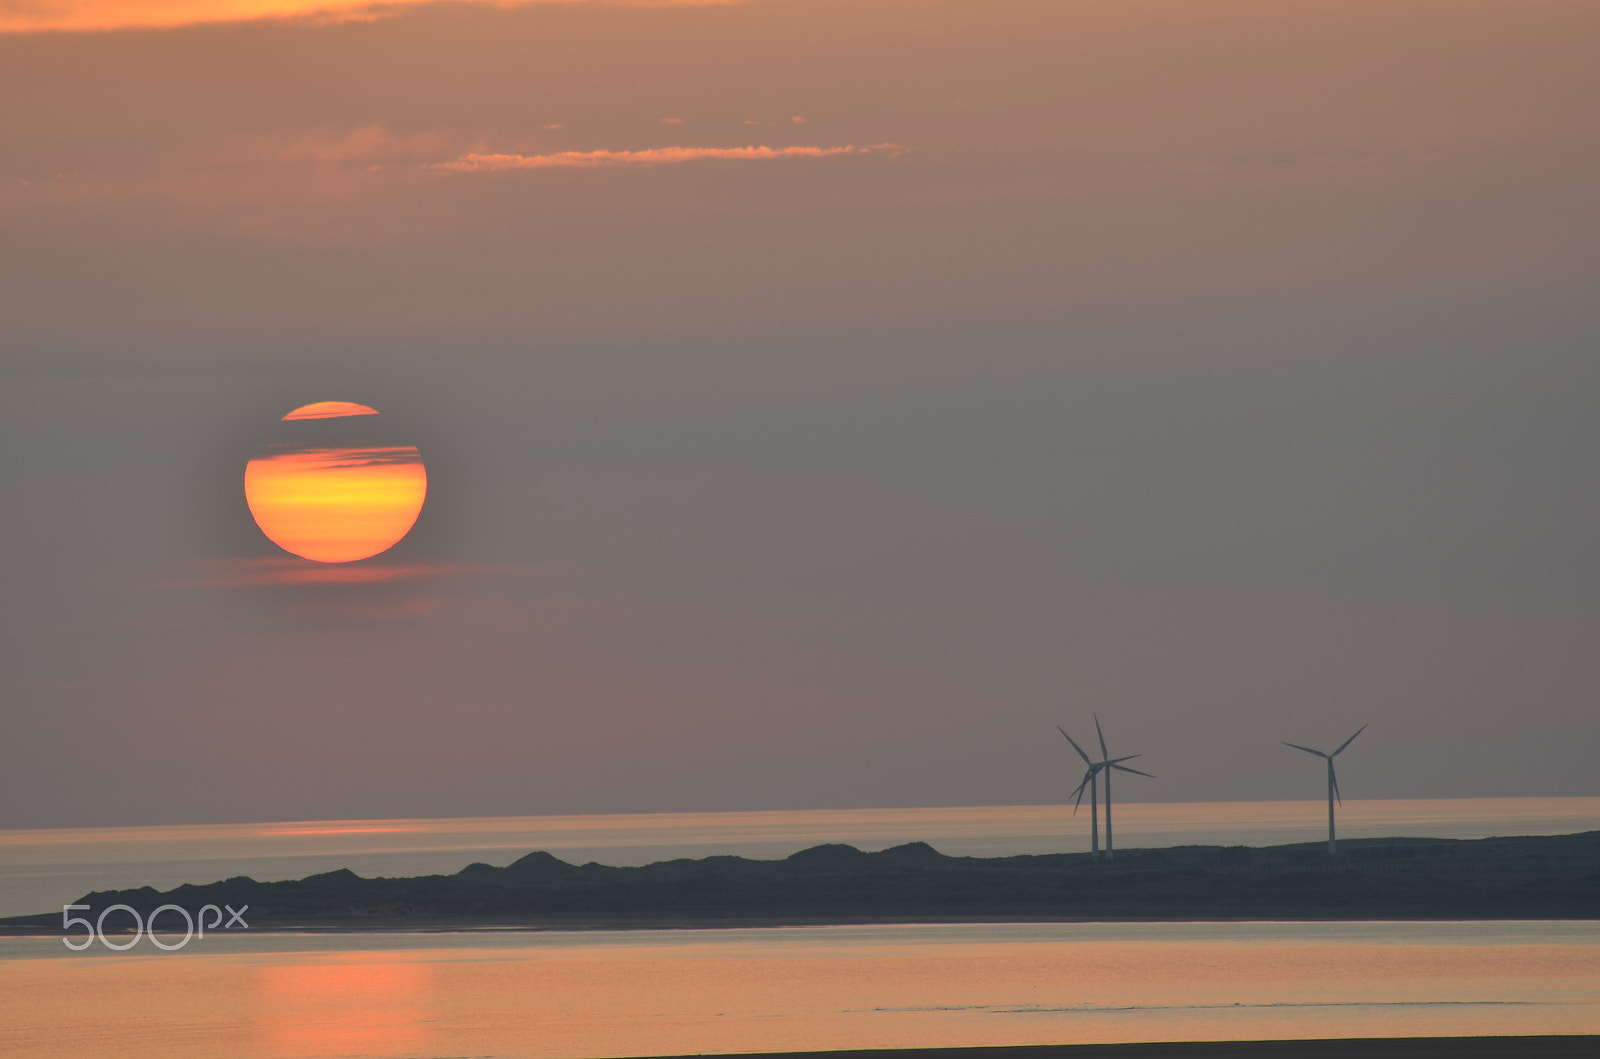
{"points": [[336, 503], [329, 410]]}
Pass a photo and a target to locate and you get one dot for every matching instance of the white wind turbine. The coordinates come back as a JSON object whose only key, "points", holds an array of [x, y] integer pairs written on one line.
{"points": [[1333, 781], [1106, 764]]}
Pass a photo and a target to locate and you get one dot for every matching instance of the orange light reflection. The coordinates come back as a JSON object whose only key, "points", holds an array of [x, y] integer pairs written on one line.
{"points": [[362, 1005]]}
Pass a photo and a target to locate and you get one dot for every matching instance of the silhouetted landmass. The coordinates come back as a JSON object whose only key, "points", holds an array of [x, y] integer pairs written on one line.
{"points": [[1548, 877]]}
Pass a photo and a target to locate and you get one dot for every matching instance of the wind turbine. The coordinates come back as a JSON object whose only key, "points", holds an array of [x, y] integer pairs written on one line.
{"points": [[1333, 781], [1091, 781], [1107, 764]]}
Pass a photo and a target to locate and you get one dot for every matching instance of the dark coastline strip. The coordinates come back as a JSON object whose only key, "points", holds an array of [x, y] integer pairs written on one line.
{"points": [[1528, 877], [1551, 1047]]}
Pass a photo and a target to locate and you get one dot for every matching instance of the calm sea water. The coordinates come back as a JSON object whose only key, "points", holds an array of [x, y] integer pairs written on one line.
{"points": [[40, 870], [678, 992]]}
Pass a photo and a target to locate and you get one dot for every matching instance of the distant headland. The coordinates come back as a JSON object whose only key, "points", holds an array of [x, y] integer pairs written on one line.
{"points": [[1536, 877]]}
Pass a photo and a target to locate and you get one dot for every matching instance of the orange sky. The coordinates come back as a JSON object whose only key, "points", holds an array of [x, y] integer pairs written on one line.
{"points": [[1050, 157], [39, 16], [822, 400]]}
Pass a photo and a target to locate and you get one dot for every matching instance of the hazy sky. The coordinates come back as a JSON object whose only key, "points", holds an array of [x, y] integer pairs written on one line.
{"points": [[821, 401]]}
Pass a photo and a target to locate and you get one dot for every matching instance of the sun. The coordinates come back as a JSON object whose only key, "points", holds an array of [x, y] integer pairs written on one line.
{"points": [[332, 491]]}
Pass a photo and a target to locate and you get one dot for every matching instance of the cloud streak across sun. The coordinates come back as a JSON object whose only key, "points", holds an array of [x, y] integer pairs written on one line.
{"points": [[54, 16], [284, 572], [490, 163]]}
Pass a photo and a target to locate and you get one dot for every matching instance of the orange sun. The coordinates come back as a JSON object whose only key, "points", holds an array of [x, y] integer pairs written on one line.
{"points": [[332, 497]]}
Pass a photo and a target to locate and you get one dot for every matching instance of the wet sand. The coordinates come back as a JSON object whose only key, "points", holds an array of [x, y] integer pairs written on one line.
{"points": [[1586, 1047]]}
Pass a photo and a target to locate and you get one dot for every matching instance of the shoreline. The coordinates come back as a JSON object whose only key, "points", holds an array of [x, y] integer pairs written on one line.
{"points": [[1547, 1047], [1539, 878], [401, 925]]}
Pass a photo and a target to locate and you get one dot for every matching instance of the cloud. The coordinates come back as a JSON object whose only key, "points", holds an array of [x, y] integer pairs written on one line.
{"points": [[671, 121], [48, 16], [357, 827], [308, 457], [281, 572], [491, 163]]}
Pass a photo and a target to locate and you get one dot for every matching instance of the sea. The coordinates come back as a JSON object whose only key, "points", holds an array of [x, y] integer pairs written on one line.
{"points": [[585, 995]]}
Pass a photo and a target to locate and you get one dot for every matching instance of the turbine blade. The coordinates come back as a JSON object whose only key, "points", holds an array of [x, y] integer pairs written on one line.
{"points": [[1136, 772], [1347, 742], [1334, 776], [1307, 749], [1088, 777], [1075, 746], [1104, 753], [1114, 760]]}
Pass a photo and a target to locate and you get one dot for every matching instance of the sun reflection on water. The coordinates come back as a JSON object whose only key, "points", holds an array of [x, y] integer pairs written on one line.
{"points": [[356, 1004]]}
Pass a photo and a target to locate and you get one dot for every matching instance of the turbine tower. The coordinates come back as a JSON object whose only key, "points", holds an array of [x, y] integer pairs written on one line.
{"points": [[1091, 781], [1333, 781], [1107, 764]]}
